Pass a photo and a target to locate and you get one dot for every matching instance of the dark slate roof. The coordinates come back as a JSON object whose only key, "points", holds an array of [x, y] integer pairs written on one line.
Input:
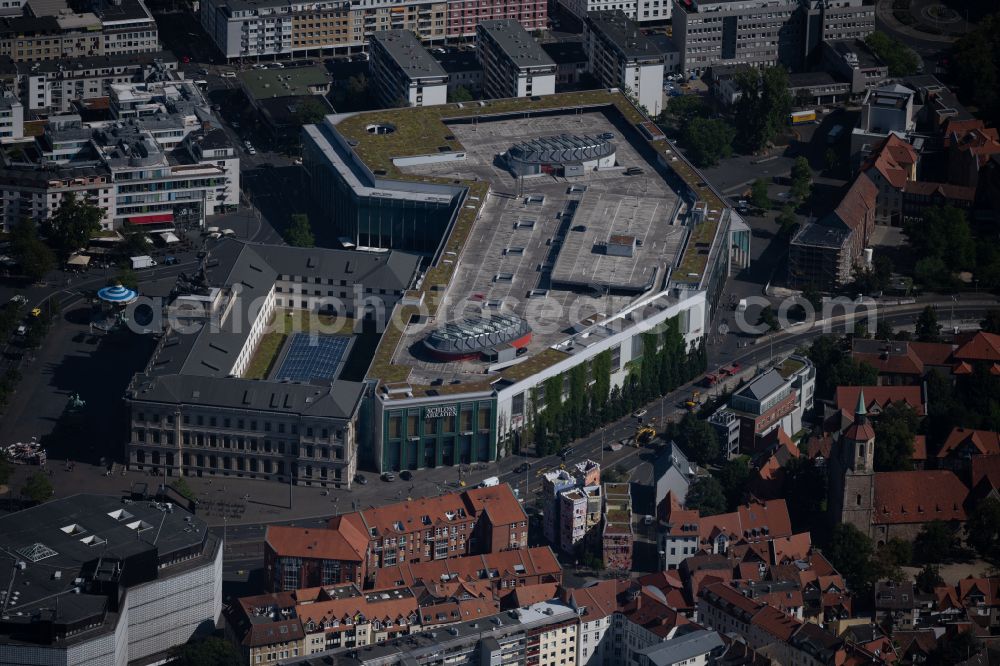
{"points": [[617, 28], [337, 400], [763, 386], [566, 53], [391, 271], [68, 535], [519, 46]]}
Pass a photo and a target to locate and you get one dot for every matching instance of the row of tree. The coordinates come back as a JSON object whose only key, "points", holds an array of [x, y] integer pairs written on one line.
{"points": [[575, 403], [757, 117]]}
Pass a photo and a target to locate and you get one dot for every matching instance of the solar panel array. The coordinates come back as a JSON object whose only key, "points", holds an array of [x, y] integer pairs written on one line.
{"points": [[310, 356]]}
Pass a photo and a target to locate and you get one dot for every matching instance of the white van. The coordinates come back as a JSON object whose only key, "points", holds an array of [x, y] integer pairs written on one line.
{"points": [[490, 482]]}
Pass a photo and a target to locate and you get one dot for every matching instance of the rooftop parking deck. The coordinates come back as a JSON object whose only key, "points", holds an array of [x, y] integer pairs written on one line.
{"points": [[536, 251]]}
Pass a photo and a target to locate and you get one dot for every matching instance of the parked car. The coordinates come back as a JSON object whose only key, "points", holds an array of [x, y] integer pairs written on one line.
{"points": [[406, 475], [388, 476], [522, 468], [169, 260], [360, 479]]}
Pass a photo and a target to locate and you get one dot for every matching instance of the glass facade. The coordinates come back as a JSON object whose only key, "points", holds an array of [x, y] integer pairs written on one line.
{"points": [[372, 221], [439, 435]]}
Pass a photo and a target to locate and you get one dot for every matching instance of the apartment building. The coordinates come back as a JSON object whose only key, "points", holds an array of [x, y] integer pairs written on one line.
{"points": [[133, 581], [354, 546], [514, 65], [109, 28], [53, 85], [403, 71], [778, 398], [620, 56], [642, 11], [160, 160], [465, 15], [554, 483], [252, 28], [11, 117], [762, 33], [617, 535]]}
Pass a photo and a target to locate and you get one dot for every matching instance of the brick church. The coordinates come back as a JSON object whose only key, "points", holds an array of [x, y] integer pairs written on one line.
{"points": [[886, 505]]}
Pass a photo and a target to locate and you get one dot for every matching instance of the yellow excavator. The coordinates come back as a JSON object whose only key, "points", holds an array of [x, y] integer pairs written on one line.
{"points": [[643, 436]]}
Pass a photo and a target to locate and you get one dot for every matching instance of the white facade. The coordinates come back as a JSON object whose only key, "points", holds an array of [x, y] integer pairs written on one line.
{"points": [[637, 10], [514, 65], [53, 86], [403, 69], [154, 618], [11, 118], [619, 57]]}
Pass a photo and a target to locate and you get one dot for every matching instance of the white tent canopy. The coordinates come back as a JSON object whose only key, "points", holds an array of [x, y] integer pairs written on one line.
{"points": [[170, 237], [78, 260]]}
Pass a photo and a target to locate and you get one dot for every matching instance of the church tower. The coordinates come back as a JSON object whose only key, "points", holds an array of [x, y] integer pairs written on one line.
{"points": [[852, 482]]}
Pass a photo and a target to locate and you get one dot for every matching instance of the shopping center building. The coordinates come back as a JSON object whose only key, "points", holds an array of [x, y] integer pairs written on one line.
{"points": [[581, 257]]}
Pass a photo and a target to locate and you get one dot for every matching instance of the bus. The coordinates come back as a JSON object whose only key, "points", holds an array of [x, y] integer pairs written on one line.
{"points": [[801, 117]]}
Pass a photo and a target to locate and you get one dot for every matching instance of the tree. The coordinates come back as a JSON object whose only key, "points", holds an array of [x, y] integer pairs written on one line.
{"points": [[927, 327], [850, 551], [183, 489], [883, 330], [982, 530], [768, 319], [37, 488], [787, 221], [801, 179], [698, 439], [901, 60], [835, 367], [209, 651], [762, 107], [6, 469], [310, 111], [975, 67], [895, 430], [954, 649], [299, 233], [934, 542], [706, 496], [73, 224], [679, 111], [830, 159], [134, 240], [126, 278], [460, 94], [708, 140], [929, 578], [944, 233], [32, 255], [733, 475], [758, 194], [992, 322], [932, 273], [806, 482], [616, 474]]}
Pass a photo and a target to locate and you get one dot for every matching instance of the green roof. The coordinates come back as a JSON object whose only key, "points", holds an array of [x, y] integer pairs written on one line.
{"points": [[288, 82], [423, 131]]}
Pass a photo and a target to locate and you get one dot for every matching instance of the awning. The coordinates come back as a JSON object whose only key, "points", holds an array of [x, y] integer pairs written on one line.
{"points": [[78, 260], [169, 237], [152, 219]]}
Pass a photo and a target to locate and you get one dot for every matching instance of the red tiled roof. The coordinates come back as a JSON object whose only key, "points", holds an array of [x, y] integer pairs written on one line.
{"points": [[320, 543], [944, 190], [790, 548], [600, 599], [893, 160], [780, 625], [919, 447], [982, 442], [973, 136], [507, 564], [932, 353], [858, 200], [918, 497], [988, 588], [499, 503], [982, 347], [986, 468], [877, 397], [768, 519], [530, 594], [350, 607]]}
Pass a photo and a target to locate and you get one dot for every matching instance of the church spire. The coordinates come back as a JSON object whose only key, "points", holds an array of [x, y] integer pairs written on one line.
{"points": [[860, 411]]}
